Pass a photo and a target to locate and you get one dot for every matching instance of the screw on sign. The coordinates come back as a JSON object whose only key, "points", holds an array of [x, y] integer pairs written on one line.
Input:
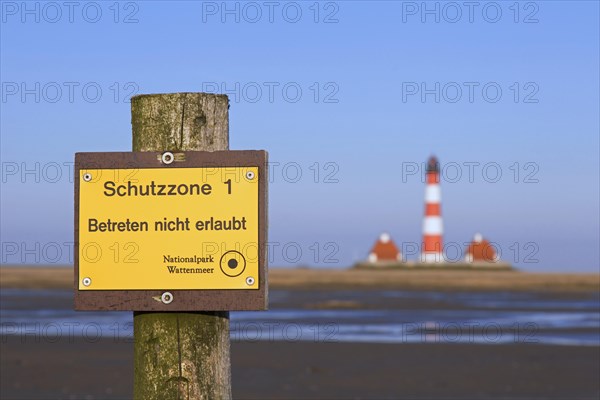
{"points": [[166, 297], [167, 157], [152, 218]]}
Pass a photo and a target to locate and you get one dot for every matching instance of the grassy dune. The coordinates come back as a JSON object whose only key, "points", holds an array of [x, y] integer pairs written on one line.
{"points": [[434, 280], [24, 277], [54, 278]]}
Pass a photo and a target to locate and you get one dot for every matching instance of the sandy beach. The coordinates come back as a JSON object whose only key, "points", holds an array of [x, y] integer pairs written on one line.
{"points": [[103, 370], [34, 366], [299, 278]]}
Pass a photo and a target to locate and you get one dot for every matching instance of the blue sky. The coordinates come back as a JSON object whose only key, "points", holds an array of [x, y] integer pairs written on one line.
{"points": [[347, 82]]}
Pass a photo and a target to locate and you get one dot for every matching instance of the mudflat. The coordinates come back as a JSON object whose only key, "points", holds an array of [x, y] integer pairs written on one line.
{"points": [[291, 370], [300, 278]]}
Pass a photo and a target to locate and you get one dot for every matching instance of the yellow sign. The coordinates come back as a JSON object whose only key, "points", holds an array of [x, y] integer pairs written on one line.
{"points": [[168, 228]]}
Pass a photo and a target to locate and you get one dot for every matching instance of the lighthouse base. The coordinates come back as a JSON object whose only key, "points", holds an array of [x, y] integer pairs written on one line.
{"points": [[412, 265], [432, 258]]}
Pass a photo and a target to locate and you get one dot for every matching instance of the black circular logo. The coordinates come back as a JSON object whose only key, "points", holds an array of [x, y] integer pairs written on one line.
{"points": [[232, 263]]}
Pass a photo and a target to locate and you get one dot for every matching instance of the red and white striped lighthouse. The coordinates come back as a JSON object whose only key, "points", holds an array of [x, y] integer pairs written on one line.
{"points": [[432, 250]]}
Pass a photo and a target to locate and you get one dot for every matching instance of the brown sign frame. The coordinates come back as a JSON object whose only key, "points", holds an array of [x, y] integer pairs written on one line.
{"points": [[182, 300]]}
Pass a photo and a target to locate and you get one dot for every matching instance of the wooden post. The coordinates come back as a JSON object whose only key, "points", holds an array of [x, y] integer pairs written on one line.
{"points": [[181, 355]]}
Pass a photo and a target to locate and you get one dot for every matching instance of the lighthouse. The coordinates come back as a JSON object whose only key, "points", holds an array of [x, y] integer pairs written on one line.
{"points": [[432, 246]]}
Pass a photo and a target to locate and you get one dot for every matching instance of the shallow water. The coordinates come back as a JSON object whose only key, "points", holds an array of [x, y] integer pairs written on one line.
{"points": [[483, 318]]}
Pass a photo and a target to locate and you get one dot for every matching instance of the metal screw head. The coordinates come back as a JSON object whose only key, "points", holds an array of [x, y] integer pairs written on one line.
{"points": [[86, 281], [167, 157], [249, 281], [166, 297], [250, 175], [87, 177]]}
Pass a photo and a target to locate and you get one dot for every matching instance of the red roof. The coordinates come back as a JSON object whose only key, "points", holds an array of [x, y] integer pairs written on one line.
{"points": [[481, 250], [384, 249]]}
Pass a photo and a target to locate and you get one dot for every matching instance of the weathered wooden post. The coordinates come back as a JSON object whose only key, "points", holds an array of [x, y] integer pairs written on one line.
{"points": [[175, 231], [181, 355]]}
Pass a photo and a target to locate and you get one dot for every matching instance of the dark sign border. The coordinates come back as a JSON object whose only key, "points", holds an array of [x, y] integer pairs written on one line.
{"points": [[183, 300]]}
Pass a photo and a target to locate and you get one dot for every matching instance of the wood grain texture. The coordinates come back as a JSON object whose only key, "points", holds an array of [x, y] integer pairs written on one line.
{"points": [[180, 121], [181, 355]]}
